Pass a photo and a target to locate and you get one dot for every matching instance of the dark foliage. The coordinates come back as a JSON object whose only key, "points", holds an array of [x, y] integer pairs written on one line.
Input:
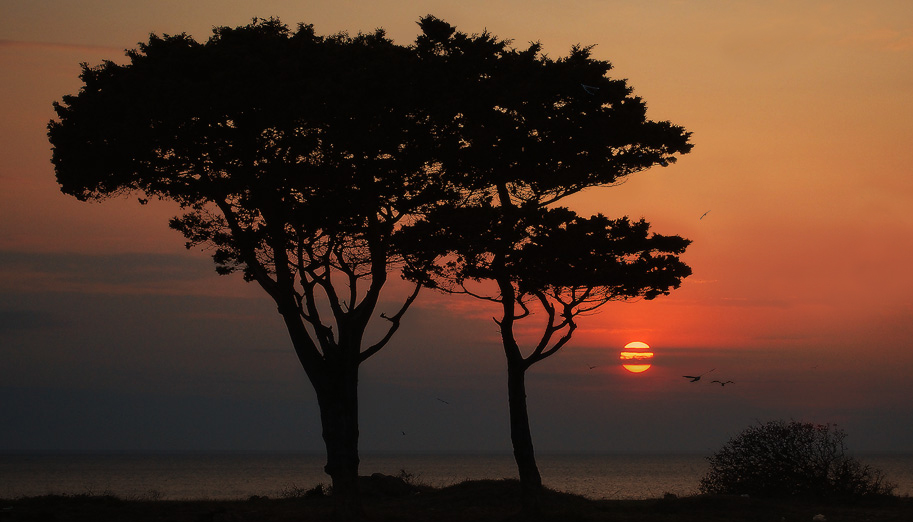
{"points": [[783, 459], [549, 251]]}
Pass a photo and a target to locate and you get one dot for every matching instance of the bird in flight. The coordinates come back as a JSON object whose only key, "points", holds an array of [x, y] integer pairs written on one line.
{"points": [[589, 89], [591, 367], [695, 378], [704, 214], [723, 383], [442, 400]]}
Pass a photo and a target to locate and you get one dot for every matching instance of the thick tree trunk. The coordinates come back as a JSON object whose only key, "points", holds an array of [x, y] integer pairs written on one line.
{"points": [[335, 382], [338, 402], [520, 436]]}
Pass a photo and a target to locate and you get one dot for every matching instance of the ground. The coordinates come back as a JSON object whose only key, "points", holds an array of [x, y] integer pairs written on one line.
{"points": [[486, 500]]}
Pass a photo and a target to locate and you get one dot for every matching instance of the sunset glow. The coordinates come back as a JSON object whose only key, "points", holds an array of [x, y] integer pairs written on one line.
{"points": [[797, 197]]}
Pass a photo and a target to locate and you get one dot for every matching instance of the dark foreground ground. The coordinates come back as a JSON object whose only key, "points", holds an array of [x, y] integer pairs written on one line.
{"points": [[487, 500]]}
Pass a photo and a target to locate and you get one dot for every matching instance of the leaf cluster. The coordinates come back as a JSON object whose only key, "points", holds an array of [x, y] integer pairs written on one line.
{"points": [[553, 251], [544, 127], [289, 131]]}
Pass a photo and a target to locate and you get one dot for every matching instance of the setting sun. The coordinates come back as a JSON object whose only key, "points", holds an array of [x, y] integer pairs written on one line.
{"points": [[636, 357]]}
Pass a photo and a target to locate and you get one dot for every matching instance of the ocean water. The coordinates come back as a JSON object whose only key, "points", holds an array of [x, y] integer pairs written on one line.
{"points": [[232, 476]]}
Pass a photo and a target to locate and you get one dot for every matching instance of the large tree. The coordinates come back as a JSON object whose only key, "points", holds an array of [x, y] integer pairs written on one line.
{"points": [[295, 158], [524, 132]]}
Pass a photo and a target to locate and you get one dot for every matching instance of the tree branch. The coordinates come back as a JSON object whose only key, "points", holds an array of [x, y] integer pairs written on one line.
{"points": [[395, 320], [323, 332], [470, 293], [346, 268], [248, 252], [526, 312], [549, 329], [326, 283], [567, 323]]}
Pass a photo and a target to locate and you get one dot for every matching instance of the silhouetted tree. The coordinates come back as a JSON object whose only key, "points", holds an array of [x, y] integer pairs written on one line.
{"points": [[786, 459], [526, 131], [295, 159]]}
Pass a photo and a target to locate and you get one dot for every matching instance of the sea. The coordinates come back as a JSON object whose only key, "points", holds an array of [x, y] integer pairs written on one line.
{"points": [[240, 476]]}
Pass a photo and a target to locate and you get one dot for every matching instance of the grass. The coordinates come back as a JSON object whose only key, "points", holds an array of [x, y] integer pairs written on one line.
{"points": [[477, 500]]}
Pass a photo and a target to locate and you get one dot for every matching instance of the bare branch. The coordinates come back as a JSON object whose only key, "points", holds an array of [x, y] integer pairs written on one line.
{"points": [[525, 308], [549, 329], [561, 342], [395, 322], [259, 272], [325, 280], [346, 268], [567, 324], [323, 332], [470, 293]]}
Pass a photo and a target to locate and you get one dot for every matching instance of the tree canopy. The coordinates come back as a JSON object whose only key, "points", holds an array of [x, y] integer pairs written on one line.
{"points": [[293, 154], [546, 128]]}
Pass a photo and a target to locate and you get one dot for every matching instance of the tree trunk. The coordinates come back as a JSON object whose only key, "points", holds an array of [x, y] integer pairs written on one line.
{"points": [[335, 382], [338, 401], [520, 436]]}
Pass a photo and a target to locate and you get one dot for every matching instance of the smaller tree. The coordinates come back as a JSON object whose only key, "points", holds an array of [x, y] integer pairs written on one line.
{"points": [[519, 133], [782, 459], [540, 263]]}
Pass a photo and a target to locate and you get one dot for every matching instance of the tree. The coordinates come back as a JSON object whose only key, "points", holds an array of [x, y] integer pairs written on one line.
{"points": [[550, 264], [296, 159], [524, 132], [785, 459]]}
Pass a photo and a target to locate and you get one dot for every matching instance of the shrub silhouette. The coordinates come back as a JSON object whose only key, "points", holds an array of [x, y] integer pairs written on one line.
{"points": [[782, 459]]}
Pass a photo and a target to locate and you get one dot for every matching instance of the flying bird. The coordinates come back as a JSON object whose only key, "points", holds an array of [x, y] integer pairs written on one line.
{"points": [[704, 214], [695, 378], [589, 89], [442, 400], [591, 367], [724, 383]]}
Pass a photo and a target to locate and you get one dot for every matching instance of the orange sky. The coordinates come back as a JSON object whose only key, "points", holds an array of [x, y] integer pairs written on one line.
{"points": [[802, 119]]}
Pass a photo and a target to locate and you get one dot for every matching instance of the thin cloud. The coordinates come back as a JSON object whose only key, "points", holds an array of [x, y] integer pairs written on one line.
{"points": [[143, 273], [885, 39], [54, 46], [758, 302]]}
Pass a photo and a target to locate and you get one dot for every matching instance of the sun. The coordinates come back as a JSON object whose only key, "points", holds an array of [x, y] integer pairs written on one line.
{"points": [[636, 357]]}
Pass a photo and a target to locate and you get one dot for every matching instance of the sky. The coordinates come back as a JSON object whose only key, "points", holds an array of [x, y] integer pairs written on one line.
{"points": [[113, 337]]}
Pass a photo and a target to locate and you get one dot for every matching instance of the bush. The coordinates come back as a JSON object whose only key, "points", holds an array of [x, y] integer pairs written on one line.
{"points": [[780, 459]]}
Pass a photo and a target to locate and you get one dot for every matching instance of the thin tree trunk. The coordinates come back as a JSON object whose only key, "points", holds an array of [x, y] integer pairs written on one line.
{"points": [[520, 436]]}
